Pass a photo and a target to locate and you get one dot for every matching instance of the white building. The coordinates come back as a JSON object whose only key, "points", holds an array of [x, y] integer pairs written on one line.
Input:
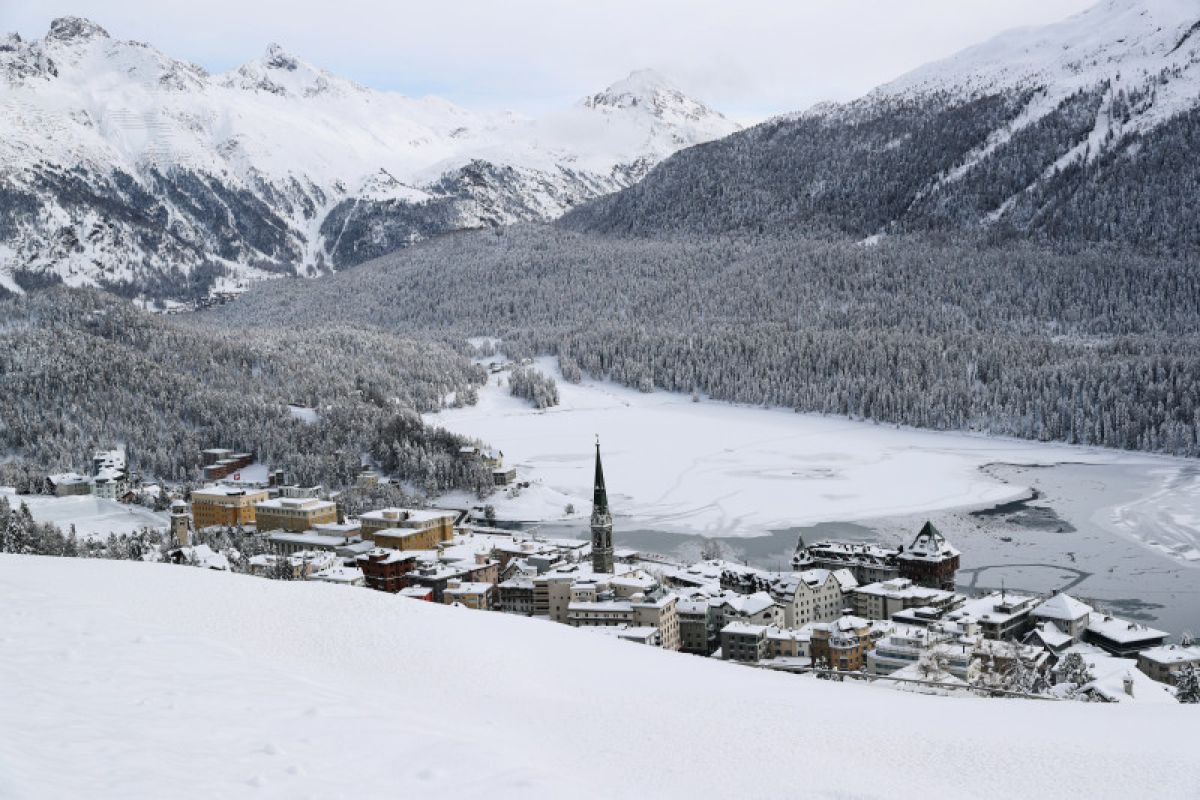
{"points": [[1070, 615]]}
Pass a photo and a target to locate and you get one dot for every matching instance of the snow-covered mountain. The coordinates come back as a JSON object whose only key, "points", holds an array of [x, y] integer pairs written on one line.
{"points": [[1083, 130], [123, 166]]}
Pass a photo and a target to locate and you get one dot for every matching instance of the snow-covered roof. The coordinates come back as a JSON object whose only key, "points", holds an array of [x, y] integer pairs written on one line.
{"points": [[846, 578], [1062, 607], [296, 504], [340, 575], [997, 607], [223, 490], [738, 628], [68, 478], [844, 623], [469, 587], [1051, 635], [406, 515], [929, 545], [603, 605], [1111, 675], [789, 634], [903, 588], [1171, 654], [1120, 630], [749, 604], [309, 538]]}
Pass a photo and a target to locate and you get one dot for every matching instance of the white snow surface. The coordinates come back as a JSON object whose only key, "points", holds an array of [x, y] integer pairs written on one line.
{"points": [[1135, 38], [715, 468], [136, 680], [93, 517]]}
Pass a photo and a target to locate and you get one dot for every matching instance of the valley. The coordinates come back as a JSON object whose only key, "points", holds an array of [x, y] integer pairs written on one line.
{"points": [[1117, 528]]}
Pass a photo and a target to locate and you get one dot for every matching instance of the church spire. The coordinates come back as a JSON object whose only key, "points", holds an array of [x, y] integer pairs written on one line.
{"points": [[600, 494], [602, 549]]}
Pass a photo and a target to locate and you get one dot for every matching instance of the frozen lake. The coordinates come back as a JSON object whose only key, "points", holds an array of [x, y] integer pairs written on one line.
{"points": [[1119, 527]]}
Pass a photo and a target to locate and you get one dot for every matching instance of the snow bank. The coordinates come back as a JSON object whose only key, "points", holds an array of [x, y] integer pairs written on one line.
{"points": [[719, 469], [124, 679]]}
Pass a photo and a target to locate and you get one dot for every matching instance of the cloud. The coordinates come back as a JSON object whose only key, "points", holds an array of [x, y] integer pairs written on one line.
{"points": [[749, 58]]}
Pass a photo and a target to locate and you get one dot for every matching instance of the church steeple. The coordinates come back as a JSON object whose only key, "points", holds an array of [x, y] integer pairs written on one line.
{"points": [[602, 550], [600, 494]]}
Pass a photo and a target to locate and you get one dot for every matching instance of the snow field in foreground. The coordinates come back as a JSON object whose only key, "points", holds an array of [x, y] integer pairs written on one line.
{"points": [[125, 679]]}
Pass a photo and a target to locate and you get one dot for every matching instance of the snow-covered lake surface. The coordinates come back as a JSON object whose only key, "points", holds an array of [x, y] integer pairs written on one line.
{"points": [[718, 469], [92, 516], [134, 680], [677, 470]]}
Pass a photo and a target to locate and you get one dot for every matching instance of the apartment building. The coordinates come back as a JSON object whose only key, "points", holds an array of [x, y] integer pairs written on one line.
{"points": [[225, 506], [408, 528], [295, 514], [471, 594], [842, 644]]}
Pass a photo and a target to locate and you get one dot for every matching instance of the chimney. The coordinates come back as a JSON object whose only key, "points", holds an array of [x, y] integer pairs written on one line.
{"points": [[1128, 684]]}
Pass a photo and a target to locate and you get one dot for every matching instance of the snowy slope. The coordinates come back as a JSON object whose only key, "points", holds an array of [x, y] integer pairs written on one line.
{"points": [[1084, 131], [1140, 58], [118, 162], [130, 680], [1134, 39]]}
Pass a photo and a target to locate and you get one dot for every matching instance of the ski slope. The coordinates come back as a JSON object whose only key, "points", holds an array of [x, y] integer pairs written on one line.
{"points": [[135, 680]]}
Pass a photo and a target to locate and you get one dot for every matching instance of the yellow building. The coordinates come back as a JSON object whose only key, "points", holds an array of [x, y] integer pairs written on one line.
{"points": [[225, 505], [295, 514], [408, 528], [477, 595]]}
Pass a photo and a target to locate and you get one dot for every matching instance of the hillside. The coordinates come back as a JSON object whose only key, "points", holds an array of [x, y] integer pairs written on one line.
{"points": [[81, 370], [1095, 347], [123, 167], [144, 676], [1081, 131]]}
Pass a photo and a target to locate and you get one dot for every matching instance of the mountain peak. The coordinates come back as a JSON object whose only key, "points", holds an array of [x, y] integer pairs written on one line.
{"points": [[639, 88], [75, 29], [283, 74], [276, 57]]}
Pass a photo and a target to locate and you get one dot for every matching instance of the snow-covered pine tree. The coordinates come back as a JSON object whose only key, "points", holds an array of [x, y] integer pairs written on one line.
{"points": [[1187, 685]]}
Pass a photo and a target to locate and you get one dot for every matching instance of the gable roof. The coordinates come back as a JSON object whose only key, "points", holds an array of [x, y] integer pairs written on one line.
{"points": [[1062, 606]]}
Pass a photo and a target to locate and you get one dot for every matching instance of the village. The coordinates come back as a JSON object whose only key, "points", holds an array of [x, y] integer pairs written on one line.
{"points": [[844, 611]]}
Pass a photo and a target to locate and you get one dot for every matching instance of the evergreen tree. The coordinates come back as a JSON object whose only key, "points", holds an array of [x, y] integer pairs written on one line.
{"points": [[1187, 684]]}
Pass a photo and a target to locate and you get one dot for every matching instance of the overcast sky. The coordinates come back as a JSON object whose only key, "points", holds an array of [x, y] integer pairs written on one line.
{"points": [[747, 58]]}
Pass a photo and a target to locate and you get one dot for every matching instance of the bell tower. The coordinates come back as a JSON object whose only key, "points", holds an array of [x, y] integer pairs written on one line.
{"points": [[180, 523], [602, 549]]}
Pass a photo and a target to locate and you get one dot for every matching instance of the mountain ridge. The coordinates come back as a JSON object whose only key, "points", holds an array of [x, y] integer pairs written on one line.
{"points": [[1047, 132], [123, 167]]}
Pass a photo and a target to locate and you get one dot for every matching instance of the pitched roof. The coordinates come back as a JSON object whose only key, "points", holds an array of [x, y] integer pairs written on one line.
{"points": [[1062, 606], [930, 543]]}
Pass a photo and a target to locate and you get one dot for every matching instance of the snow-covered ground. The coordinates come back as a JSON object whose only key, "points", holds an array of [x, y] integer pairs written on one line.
{"points": [[132, 680], [92, 516], [718, 469]]}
